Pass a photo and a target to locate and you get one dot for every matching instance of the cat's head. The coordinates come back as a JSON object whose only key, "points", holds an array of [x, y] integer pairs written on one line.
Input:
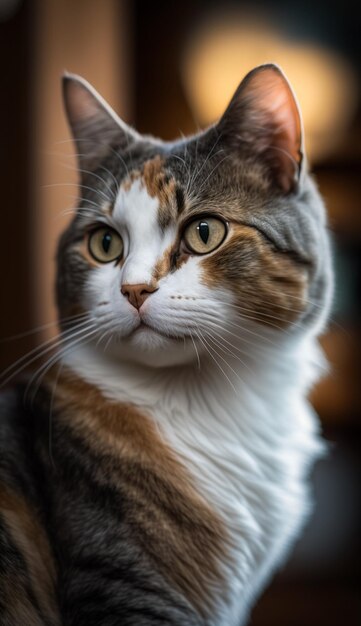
{"points": [[198, 245]]}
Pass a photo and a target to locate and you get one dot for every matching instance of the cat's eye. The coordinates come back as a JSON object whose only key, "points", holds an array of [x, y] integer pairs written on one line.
{"points": [[205, 234], [105, 245]]}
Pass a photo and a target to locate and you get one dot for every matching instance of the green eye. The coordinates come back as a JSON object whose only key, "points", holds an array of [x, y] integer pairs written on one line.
{"points": [[105, 245], [205, 235]]}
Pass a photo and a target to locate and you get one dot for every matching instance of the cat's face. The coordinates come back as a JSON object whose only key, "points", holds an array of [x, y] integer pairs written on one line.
{"points": [[198, 246]]}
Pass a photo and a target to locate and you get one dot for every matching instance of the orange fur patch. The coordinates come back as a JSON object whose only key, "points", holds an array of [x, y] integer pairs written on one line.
{"points": [[163, 265], [158, 184], [268, 286]]}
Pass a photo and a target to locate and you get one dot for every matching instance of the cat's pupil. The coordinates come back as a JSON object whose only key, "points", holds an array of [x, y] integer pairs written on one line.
{"points": [[107, 240], [203, 230]]}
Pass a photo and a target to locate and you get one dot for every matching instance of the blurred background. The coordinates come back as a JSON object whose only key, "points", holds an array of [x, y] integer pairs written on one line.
{"points": [[170, 67]]}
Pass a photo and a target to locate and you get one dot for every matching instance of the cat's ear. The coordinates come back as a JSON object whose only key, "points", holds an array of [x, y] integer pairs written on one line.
{"points": [[264, 120], [96, 128]]}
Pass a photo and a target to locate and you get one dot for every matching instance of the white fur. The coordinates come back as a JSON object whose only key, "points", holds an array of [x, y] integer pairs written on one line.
{"points": [[240, 421]]}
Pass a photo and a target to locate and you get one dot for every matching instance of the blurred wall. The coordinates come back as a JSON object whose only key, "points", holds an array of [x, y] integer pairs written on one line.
{"points": [[15, 248], [86, 37], [38, 41]]}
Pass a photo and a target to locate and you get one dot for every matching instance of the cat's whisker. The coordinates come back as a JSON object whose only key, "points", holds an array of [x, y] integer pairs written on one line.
{"points": [[95, 175], [241, 339], [183, 161], [225, 349], [260, 321], [280, 306], [21, 360], [80, 199], [212, 172], [252, 318], [209, 319], [266, 321], [94, 208], [26, 333], [120, 158], [319, 307], [76, 154], [61, 142], [299, 298], [189, 182], [195, 348], [224, 360], [76, 211], [65, 212], [95, 190], [115, 181], [89, 213], [176, 156], [21, 364], [70, 343], [201, 188], [266, 342], [24, 361], [312, 303], [201, 339], [243, 329], [104, 335], [260, 317], [197, 173], [81, 186], [249, 342], [111, 336], [263, 318]]}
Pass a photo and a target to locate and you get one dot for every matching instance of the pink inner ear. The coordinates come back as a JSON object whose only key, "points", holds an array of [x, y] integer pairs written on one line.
{"points": [[274, 104]]}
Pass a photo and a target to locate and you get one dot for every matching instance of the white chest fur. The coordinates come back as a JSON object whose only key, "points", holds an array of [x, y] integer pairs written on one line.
{"points": [[248, 445]]}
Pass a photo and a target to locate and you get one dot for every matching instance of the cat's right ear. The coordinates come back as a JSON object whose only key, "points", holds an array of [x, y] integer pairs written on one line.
{"points": [[263, 120], [96, 128]]}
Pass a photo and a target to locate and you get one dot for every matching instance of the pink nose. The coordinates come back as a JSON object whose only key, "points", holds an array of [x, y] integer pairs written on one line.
{"points": [[137, 294]]}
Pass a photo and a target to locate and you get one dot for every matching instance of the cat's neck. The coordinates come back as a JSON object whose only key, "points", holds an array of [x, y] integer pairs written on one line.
{"points": [[226, 379]]}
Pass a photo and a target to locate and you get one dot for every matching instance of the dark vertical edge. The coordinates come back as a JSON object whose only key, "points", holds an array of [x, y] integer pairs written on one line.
{"points": [[15, 121]]}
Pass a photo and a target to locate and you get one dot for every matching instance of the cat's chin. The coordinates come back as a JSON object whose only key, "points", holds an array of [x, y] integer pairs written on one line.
{"points": [[150, 347], [147, 333]]}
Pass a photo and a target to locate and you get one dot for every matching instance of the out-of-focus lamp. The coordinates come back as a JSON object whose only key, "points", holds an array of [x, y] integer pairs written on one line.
{"points": [[224, 49]]}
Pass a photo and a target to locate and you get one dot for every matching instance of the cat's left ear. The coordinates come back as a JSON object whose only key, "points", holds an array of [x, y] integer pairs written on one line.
{"points": [[96, 128], [263, 120]]}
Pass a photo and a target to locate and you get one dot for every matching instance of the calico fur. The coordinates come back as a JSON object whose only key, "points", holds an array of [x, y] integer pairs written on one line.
{"points": [[157, 472]]}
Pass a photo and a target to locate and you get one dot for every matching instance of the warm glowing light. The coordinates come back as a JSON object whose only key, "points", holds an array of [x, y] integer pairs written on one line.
{"points": [[223, 50]]}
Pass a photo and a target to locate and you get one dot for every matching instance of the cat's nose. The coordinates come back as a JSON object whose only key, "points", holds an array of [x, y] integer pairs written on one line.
{"points": [[137, 294]]}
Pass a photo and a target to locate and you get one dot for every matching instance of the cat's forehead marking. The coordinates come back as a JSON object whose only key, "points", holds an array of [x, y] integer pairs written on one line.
{"points": [[137, 208], [160, 185]]}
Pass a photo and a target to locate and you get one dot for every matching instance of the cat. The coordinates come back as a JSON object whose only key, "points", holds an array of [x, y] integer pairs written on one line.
{"points": [[155, 471]]}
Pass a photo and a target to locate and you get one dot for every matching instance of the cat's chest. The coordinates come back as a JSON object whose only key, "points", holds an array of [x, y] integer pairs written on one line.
{"points": [[244, 458], [251, 478]]}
